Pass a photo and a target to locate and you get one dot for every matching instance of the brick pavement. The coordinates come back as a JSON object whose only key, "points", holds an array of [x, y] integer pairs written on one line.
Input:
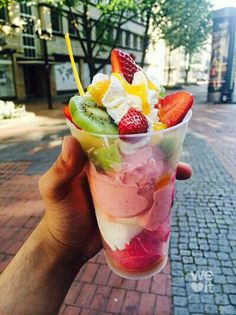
{"points": [[203, 233]]}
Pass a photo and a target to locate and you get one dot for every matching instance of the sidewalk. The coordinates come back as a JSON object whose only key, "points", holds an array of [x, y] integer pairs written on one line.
{"points": [[203, 235]]}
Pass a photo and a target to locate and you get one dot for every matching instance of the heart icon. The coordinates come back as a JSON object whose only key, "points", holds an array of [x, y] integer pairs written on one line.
{"points": [[197, 286]]}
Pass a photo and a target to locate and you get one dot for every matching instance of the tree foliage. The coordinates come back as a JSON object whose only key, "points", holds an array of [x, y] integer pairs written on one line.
{"points": [[186, 24], [183, 23]]}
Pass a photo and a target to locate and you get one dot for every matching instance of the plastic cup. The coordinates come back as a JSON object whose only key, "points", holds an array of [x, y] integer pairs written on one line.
{"points": [[132, 181]]}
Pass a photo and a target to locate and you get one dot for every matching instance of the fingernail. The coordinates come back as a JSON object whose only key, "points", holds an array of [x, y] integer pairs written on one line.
{"points": [[65, 152]]}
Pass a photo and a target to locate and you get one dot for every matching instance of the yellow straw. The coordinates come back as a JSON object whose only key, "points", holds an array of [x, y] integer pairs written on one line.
{"points": [[76, 76]]}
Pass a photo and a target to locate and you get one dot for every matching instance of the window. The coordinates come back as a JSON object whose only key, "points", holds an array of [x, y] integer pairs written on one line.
{"points": [[98, 30], [71, 27], [56, 21], [110, 34], [25, 9], [141, 42], [3, 14], [120, 38], [127, 39], [135, 41], [28, 34]]}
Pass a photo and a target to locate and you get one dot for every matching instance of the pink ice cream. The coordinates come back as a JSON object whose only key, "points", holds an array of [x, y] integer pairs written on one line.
{"points": [[133, 210], [129, 191]]}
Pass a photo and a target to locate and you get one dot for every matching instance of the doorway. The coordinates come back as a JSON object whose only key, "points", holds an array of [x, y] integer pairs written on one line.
{"points": [[34, 81]]}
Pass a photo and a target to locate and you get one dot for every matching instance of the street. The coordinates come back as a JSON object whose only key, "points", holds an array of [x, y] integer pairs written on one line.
{"points": [[200, 277]]}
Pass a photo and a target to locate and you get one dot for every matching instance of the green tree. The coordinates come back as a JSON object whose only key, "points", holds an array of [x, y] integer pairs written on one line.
{"points": [[197, 31], [186, 24]]}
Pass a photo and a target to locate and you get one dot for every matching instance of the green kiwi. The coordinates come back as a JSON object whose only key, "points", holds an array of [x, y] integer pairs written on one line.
{"points": [[170, 147], [89, 117], [107, 158]]}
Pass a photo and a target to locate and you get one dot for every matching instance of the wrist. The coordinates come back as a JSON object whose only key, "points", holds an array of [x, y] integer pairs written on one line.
{"points": [[57, 249]]}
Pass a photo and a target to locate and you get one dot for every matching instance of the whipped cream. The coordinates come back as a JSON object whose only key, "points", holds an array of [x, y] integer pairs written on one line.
{"points": [[100, 77], [117, 101]]}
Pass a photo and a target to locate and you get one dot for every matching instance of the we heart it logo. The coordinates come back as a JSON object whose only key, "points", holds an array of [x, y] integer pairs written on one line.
{"points": [[197, 286]]}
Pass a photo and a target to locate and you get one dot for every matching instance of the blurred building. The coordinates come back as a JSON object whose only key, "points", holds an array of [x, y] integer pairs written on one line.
{"points": [[222, 83], [22, 57]]}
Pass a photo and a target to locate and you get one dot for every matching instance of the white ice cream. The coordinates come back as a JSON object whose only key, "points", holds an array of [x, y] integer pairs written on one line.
{"points": [[116, 234], [117, 101]]}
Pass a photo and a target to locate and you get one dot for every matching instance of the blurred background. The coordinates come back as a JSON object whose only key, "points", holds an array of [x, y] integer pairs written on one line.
{"points": [[179, 42]]}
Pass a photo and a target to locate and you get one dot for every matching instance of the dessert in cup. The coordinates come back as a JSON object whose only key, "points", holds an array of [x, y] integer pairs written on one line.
{"points": [[133, 137]]}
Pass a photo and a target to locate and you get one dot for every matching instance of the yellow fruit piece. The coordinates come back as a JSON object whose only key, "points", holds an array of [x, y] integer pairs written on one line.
{"points": [[152, 86], [163, 181], [137, 90], [98, 90], [158, 126]]}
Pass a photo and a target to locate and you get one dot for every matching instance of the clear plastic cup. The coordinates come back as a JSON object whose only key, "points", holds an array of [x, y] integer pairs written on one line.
{"points": [[132, 181]]}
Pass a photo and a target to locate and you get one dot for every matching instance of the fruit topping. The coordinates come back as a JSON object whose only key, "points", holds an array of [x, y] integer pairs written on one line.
{"points": [[89, 117], [163, 181], [67, 113], [141, 253], [133, 122], [107, 158], [98, 90], [158, 126], [123, 63], [173, 108], [139, 90]]}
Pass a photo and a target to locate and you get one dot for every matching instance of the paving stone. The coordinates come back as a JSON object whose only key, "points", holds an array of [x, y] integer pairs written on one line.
{"points": [[228, 310], [211, 309], [219, 279], [223, 256], [193, 298], [181, 311], [229, 288], [180, 300], [200, 261], [177, 291], [227, 271], [207, 298], [222, 299], [232, 298], [194, 308]]}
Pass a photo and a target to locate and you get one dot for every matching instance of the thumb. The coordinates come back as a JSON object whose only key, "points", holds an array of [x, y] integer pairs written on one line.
{"points": [[54, 184]]}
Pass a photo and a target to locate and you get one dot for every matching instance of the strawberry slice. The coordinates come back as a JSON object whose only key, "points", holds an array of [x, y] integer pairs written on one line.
{"points": [[132, 122], [173, 108], [123, 63], [67, 113]]}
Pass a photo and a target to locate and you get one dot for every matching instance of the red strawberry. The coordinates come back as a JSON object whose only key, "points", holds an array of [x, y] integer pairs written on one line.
{"points": [[142, 253], [67, 113], [123, 63], [174, 107], [133, 122]]}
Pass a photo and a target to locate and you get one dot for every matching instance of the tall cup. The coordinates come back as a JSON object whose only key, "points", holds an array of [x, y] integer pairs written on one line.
{"points": [[132, 181]]}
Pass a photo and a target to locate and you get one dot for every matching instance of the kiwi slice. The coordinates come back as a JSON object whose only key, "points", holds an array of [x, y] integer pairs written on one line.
{"points": [[171, 148], [89, 117], [168, 145], [107, 158]]}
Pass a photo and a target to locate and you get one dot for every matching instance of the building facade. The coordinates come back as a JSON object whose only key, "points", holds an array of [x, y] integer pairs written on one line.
{"points": [[22, 57], [23, 53]]}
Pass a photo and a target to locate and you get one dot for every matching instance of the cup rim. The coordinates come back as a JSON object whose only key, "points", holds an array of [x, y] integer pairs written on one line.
{"points": [[139, 135]]}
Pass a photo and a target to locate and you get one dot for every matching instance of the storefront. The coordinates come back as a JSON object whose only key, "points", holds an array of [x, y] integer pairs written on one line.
{"points": [[7, 86], [222, 84]]}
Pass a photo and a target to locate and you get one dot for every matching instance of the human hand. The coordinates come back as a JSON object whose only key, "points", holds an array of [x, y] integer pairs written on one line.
{"points": [[69, 214]]}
